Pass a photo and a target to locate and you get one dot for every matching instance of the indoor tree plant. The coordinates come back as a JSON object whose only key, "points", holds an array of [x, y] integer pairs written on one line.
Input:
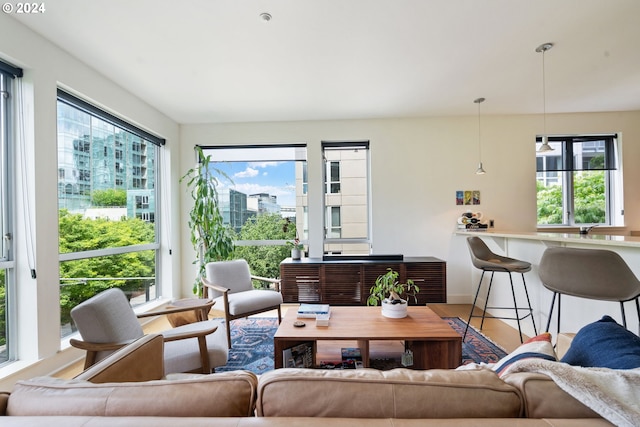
{"points": [[210, 237], [388, 291]]}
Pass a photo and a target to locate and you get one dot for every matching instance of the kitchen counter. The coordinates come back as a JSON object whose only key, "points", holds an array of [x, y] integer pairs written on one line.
{"points": [[530, 246], [568, 238]]}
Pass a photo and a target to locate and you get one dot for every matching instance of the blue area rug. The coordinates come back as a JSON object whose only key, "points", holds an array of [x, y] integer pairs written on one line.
{"points": [[252, 345]]}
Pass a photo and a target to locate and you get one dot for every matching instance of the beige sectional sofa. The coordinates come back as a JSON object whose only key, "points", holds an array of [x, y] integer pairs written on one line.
{"points": [[292, 397]]}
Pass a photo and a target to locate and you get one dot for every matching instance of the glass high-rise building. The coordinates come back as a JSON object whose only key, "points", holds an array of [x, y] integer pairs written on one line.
{"points": [[96, 155]]}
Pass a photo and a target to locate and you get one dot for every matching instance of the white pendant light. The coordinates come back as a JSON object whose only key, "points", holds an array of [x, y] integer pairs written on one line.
{"points": [[545, 140], [480, 170]]}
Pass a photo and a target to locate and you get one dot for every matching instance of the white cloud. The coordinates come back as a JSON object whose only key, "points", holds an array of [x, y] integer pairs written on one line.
{"points": [[285, 195], [247, 173], [263, 165]]}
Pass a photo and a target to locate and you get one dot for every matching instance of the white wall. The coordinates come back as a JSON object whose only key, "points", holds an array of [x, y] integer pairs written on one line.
{"points": [[48, 67], [418, 164]]}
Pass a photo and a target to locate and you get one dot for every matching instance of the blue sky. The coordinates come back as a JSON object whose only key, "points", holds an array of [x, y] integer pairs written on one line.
{"points": [[275, 178]]}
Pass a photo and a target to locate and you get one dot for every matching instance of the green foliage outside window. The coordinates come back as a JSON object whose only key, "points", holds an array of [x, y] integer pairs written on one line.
{"points": [[79, 234], [81, 279], [109, 197], [265, 260], [589, 200]]}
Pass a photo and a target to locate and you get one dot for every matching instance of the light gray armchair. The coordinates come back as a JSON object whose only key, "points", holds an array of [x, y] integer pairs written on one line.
{"points": [[106, 322], [229, 283]]}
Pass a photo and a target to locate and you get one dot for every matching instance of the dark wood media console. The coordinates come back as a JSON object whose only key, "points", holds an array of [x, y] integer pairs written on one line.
{"points": [[346, 281]]}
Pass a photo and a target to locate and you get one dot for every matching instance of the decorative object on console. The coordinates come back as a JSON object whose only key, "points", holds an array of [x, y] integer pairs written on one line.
{"points": [[388, 291], [471, 221], [296, 248]]}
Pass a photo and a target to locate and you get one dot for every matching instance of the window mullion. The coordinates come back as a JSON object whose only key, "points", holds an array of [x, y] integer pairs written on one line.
{"points": [[568, 202]]}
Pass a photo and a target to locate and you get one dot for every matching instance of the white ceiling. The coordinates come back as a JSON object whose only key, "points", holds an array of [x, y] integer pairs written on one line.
{"points": [[204, 61]]}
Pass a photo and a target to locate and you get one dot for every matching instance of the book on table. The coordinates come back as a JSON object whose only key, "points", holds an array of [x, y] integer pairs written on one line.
{"points": [[351, 358], [298, 356], [312, 310]]}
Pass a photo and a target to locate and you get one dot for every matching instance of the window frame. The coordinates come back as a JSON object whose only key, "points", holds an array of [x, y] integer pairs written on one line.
{"points": [[566, 171], [300, 155], [345, 241], [8, 92], [114, 146]]}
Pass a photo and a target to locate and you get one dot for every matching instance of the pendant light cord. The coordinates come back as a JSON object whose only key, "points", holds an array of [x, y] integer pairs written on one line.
{"points": [[479, 133], [544, 96]]}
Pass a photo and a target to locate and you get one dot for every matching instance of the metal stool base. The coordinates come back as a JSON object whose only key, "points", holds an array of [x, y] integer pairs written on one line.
{"points": [[515, 307]]}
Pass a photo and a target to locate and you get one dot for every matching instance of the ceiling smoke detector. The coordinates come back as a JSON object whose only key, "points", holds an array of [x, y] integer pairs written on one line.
{"points": [[266, 17]]}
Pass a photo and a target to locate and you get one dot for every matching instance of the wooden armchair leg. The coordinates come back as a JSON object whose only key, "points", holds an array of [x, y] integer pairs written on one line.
{"points": [[279, 315], [90, 359], [228, 320], [204, 355]]}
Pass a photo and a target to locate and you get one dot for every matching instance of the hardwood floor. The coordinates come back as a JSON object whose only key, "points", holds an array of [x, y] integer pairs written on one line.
{"points": [[498, 331]]}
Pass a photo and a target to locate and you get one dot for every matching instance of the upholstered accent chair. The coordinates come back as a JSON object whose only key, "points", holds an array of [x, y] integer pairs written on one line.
{"points": [[106, 322], [229, 283]]}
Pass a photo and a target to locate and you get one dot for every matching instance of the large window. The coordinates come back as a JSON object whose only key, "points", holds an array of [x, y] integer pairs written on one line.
{"points": [[346, 198], [8, 96], [579, 182], [107, 198], [262, 196]]}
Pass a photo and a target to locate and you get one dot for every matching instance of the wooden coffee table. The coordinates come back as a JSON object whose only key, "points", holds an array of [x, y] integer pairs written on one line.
{"points": [[433, 342]]}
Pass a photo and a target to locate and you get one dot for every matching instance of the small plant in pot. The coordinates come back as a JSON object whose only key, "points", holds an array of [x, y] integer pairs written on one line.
{"points": [[296, 248], [387, 291]]}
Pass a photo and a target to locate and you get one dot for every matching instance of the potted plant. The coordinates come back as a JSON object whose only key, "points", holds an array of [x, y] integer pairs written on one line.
{"points": [[211, 239], [296, 248], [295, 245], [388, 291]]}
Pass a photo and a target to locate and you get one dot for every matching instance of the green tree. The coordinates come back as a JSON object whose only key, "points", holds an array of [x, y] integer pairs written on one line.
{"points": [[109, 197], [549, 204], [590, 203], [79, 234], [265, 260], [589, 200]]}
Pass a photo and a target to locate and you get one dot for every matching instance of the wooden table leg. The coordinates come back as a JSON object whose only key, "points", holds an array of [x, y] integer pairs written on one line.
{"points": [[436, 354], [363, 345]]}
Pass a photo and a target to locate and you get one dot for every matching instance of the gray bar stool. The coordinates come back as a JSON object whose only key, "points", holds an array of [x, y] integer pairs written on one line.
{"points": [[485, 260], [597, 274]]}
